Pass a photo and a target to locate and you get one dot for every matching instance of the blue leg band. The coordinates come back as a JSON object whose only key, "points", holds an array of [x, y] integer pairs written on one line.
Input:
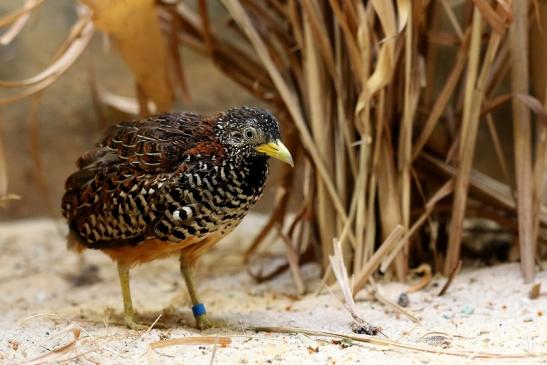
{"points": [[199, 309]]}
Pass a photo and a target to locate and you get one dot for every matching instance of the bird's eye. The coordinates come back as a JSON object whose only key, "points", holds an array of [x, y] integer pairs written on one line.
{"points": [[250, 133]]}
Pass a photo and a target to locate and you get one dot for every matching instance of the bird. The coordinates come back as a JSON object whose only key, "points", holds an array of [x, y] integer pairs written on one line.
{"points": [[170, 184]]}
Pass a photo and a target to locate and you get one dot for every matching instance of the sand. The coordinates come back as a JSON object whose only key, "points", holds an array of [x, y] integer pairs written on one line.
{"points": [[45, 299]]}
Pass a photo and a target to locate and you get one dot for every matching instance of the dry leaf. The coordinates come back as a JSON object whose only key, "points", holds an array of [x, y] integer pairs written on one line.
{"points": [[403, 8], [386, 14], [135, 28], [425, 270], [386, 60], [384, 70]]}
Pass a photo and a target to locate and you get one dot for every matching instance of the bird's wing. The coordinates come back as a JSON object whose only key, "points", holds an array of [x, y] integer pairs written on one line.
{"points": [[115, 195], [155, 144]]}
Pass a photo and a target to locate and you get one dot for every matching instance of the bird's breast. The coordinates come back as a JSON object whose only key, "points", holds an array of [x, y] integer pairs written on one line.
{"points": [[212, 199]]}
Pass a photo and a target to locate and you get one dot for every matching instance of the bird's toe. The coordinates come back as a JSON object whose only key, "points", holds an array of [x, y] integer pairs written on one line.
{"points": [[203, 322], [132, 324]]}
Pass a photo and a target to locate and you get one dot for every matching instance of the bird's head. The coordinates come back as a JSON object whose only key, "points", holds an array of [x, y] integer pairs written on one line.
{"points": [[247, 131]]}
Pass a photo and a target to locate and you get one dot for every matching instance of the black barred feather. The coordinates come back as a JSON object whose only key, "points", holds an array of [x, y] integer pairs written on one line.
{"points": [[168, 177]]}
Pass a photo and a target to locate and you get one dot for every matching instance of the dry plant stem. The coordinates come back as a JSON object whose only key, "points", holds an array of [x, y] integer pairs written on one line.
{"points": [[445, 190], [318, 27], [77, 44], [411, 94], [394, 344], [485, 189], [3, 163], [453, 19], [226, 55], [372, 265], [539, 172], [341, 274], [293, 258], [389, 198], [176, 63], [359, 201], [364, 222], [193, 340], [143, 102], [450, 278], [353, 50], [498, 147], [318, 100], [72, 48], [432, 56], [9, 35], [496, 18], [444, 96], [518, 38], [474, 95], [14, 16]]}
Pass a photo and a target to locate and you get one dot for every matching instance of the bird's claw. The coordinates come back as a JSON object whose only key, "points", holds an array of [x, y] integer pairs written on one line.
{"points": [[203, 323], [131, 324]]}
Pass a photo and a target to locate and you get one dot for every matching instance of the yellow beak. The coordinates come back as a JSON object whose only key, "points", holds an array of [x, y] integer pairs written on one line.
{"points": [[276, 150]]}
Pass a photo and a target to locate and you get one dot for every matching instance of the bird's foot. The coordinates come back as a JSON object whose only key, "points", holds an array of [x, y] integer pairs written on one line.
{"points": [[130, 323], [203, 323]]}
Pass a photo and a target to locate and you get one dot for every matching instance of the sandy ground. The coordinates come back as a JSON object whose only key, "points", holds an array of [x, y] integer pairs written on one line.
{"points": [[43, 293]]}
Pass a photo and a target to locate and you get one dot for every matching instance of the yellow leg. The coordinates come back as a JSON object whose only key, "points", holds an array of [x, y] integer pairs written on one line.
{"points": [[187, 270], [129, 313]]}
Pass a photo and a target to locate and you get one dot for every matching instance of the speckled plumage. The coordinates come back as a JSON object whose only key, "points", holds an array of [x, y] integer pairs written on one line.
{"points": [[168, 184], [169, 177]]}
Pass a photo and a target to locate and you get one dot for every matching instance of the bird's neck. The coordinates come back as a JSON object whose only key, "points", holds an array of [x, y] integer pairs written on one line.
{"points": [[250, 172]]}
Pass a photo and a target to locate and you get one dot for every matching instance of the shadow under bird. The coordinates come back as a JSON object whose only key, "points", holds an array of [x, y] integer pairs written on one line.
{"points": [[170, 184]]}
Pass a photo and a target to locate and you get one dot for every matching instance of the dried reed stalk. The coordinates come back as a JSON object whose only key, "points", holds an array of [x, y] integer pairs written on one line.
{"points": [[395, 344], [518, 38]]}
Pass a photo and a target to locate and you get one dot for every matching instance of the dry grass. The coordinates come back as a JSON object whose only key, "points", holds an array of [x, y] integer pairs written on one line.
{"points": [[385, 133], [394, 344], [367, 73]]}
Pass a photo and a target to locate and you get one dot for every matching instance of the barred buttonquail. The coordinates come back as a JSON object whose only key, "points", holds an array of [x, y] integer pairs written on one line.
{"points": [[170, 184]]}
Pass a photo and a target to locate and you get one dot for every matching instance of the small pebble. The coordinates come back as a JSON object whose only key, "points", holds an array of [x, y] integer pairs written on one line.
{"points": [[467, 309], [404, 300], [535, 291], [365, 329]]}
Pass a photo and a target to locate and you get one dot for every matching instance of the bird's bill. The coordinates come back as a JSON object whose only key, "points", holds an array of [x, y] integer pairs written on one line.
{"points": [[277, 150]]}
